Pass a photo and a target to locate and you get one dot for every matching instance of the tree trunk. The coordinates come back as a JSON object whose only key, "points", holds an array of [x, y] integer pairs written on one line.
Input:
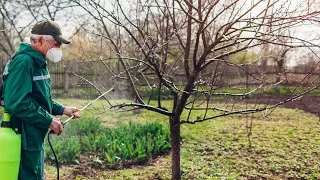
{"points": [[175, 126], [175, 147]]}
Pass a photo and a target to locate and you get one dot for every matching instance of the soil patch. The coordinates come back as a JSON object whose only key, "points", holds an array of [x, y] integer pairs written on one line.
{"points": [[307, 103], [89, 170]]}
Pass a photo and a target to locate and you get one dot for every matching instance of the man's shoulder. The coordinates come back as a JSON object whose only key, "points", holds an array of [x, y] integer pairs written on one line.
{"points": [[22, 60]]}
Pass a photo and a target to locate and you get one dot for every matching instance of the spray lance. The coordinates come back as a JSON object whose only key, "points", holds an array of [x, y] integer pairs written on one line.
{"points": [[66, 121]]}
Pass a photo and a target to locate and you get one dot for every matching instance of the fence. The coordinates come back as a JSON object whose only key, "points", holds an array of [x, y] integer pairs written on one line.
{"points": [[78, 79], [65, 83], [71, 78]]}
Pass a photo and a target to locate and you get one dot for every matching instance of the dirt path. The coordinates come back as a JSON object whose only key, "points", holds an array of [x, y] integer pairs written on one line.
{"points": [[308, 103]]}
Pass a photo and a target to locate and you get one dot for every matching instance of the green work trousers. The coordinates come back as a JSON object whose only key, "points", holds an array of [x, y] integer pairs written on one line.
{"points": [[30, 165]]}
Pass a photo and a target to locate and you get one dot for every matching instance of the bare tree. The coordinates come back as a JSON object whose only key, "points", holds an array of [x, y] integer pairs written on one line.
{"points": [[169, 44], [10, 14]]}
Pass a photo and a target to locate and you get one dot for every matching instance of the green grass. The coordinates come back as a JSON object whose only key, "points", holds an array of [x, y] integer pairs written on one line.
{"points": [[286, 145], [256, 92], [166, 95], [113, 117], [268, 91]]}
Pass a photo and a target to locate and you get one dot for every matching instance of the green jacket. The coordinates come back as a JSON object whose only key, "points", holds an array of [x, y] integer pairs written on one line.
{"points": [[27, 96]]}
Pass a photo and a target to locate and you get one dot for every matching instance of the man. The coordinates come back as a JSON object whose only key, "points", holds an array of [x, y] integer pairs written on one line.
{"points": [[27, 96]]}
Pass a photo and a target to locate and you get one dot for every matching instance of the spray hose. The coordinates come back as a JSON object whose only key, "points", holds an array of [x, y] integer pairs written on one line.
{"points": [[65, 122]]}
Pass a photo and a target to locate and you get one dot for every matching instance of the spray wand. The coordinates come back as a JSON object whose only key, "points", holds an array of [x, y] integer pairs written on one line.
{"points": [[66, 121], [86, 106]]}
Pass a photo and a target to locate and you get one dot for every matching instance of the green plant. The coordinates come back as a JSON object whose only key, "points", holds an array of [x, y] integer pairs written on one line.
{"points": [[127, 142], [66, 149], [290, 131]]}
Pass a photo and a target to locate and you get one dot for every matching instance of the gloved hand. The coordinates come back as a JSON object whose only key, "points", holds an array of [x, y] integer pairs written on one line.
{"points": [[72, 111]]}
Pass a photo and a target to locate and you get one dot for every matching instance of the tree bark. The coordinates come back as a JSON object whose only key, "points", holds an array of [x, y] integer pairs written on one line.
{"points": [[175, 147]]}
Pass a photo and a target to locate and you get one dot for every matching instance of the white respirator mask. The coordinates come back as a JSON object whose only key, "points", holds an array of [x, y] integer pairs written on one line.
{"points": [[53, 54]]}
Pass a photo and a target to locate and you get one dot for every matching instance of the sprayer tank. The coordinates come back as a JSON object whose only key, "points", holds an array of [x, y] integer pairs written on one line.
{"points": [[10, 149]]}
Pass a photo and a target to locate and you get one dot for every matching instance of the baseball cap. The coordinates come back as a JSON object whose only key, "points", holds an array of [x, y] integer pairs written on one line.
{"points": [[48, 27]]}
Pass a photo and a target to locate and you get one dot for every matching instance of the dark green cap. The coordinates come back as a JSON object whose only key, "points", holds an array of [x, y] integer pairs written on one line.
{"points": [[48, 27]]}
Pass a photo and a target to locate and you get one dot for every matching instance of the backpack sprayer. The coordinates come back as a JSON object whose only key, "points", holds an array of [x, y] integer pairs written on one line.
{"points": [[66, 121]]}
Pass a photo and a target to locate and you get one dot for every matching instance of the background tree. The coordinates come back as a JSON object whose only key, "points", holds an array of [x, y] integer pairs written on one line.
{"points": [[11, 31], [17, 18]]}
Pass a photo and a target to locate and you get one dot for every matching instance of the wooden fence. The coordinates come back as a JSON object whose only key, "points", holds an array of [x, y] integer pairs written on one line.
{"points": [[71, 78]]}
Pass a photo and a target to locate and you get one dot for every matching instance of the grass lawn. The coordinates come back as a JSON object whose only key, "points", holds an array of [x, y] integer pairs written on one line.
{"points": [[286, 145]]}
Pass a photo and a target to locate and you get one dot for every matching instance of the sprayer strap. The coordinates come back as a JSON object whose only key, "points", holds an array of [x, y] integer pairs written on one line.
{"points": [[6, 117], [6, 72], [6, 124], [6, 120]]}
